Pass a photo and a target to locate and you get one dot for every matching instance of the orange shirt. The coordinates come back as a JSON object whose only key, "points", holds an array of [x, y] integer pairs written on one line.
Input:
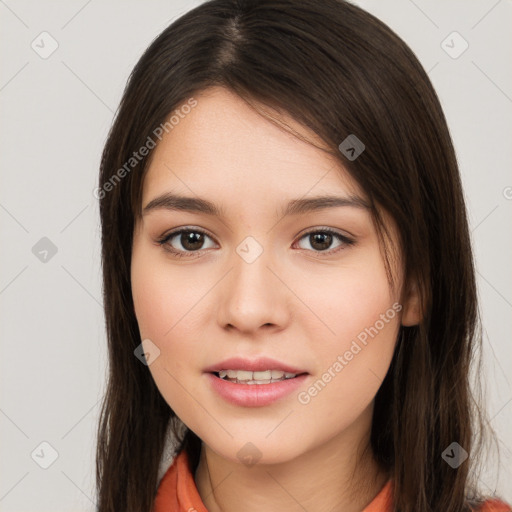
{"points": [[177, 492]]}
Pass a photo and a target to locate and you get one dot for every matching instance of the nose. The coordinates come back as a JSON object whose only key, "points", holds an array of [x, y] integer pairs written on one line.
{"points": [[253, 295]]}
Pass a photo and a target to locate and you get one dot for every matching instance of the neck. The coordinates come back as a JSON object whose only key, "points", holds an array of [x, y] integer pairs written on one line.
{"points": [[339, 475]]}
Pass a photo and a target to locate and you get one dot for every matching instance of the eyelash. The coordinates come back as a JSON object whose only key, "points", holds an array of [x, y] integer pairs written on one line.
{"points": [[163, 241]]}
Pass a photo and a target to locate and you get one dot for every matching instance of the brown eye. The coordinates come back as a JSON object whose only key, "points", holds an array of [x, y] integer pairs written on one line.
{"points": [[184, 241], [321, 240], [191, 240]]}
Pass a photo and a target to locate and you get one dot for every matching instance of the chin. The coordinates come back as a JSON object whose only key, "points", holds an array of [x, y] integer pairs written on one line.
{"points": [[257, 451]]}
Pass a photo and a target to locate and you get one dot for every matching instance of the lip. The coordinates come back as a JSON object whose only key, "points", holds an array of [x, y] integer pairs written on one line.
{"points": [[254, 395], [254, 365]]}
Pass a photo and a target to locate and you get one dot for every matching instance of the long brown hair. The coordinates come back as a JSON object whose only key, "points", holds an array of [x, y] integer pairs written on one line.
{"points": [[339, 71]]}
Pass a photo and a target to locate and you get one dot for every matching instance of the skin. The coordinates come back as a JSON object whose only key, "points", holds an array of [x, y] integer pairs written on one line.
{"points": [[295, 303]]}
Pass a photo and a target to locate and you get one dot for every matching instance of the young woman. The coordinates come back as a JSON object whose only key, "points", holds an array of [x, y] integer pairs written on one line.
{"points": [[289, 287]]}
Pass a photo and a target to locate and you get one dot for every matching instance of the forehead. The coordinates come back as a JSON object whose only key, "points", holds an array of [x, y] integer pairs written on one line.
{"points": [[223, 147]]}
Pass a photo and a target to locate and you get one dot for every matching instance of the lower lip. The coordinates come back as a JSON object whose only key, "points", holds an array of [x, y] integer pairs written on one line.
{"points": [[254, 395]]}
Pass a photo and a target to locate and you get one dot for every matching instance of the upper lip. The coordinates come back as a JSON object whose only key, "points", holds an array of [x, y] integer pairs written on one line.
{"points": [[254, 365]]}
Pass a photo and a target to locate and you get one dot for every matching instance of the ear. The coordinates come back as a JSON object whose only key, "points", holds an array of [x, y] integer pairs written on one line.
{"points": [[412, 314]]}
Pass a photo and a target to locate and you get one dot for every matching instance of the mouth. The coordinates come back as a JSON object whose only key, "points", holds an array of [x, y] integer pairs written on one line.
{"points": [[258, 382], [255, 378], [254, 389]]}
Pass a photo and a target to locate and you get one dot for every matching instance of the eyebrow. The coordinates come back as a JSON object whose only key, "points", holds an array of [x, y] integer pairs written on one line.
{"points": [[171, 201]]}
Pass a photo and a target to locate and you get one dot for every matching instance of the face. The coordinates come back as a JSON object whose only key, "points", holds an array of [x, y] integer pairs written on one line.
{"points": [[253, 280]]}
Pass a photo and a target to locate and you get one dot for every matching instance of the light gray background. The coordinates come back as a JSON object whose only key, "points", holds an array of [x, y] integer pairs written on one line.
{"points": [[55, 115]]}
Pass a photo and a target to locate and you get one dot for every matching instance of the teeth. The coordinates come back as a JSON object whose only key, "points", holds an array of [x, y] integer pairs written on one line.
{"points": [[240, 374], [264, 377]]}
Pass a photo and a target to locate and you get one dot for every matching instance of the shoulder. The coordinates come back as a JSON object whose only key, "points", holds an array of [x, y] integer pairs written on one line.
{"points": [[494, 505]]}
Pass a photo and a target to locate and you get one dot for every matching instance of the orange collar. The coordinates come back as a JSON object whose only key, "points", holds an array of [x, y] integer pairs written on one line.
{"points": [[177, 491]]}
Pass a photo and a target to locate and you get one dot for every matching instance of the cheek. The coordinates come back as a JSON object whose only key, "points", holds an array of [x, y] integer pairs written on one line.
{"points": [[360, 319], [346, 300], [164, 306], [163, 297]]}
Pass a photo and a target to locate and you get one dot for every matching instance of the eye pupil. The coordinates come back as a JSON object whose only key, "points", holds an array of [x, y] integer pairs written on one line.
{"points": [[190, 239], [323, 239]]}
